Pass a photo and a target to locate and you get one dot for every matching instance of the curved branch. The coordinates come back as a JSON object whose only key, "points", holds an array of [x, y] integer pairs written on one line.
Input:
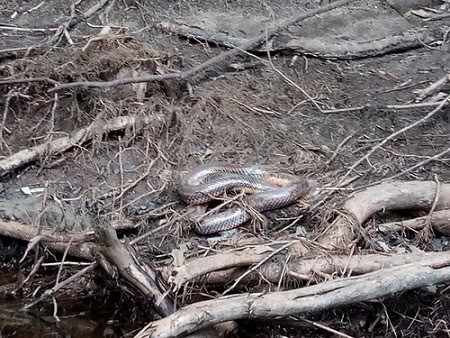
{"points": [[387, 196]]}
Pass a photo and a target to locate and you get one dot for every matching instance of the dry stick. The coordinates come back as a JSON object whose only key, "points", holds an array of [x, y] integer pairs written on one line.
{"points": [[344, 141], [5, 116], [215, 60], [391, 136], [403, 172], [389, 106], [69, 280], [36, 79], [34, 270], [326, 328], [164, 226], [236, 282], [436, 199], [58, 275], [305, 300], [132, 185]]}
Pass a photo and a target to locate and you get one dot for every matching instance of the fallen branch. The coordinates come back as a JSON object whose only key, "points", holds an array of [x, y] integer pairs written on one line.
{"points": [[387, 196], [80, 246], [306, 300], [211, 62], [59, 243], [96, 128]]}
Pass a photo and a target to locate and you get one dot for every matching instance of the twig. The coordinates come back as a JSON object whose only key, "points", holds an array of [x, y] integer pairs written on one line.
{"points": [[36, 267], [36, 79], [211, 62], [389, 106], [162, 227], [236, 282], [123, 206], [132, 185], [391, 136], [69, 280], [23, 29], [58, 275], [407, 170], [326, 328], [344, 141], [52, 115], [3, 123], [436, 199]]}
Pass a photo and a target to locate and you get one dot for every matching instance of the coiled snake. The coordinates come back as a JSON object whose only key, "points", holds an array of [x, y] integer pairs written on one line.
{"points": [[270, 190]]}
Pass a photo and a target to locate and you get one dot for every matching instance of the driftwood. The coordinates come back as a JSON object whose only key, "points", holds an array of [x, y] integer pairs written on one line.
{"points": [[95, 129], [306, 300], [387, 196]]}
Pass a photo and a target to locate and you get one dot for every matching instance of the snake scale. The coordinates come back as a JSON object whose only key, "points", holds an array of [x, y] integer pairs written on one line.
{"points": [[268, 190]]}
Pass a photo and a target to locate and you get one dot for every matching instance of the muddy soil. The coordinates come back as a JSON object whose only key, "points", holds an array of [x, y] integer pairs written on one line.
{"points": [[257, 115]]}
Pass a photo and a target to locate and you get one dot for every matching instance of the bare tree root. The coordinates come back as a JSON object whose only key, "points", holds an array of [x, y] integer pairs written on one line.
{"points": [[95, 129], [299, 268], [306, 300], [387, 196], [439, 220], [313, 47]]}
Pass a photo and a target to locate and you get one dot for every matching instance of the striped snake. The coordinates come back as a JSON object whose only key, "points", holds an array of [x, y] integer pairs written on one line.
{"points": [[268, 190]]}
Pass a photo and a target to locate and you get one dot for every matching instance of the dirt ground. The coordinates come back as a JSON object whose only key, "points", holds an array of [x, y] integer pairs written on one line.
{"points": [[245, 116]]}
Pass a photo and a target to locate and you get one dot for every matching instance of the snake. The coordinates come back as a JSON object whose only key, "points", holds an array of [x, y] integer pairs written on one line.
{"points": [[268, 189]]}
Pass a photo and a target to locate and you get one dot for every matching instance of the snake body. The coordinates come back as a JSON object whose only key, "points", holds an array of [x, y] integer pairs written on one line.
{"points": [[270, 190]]}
